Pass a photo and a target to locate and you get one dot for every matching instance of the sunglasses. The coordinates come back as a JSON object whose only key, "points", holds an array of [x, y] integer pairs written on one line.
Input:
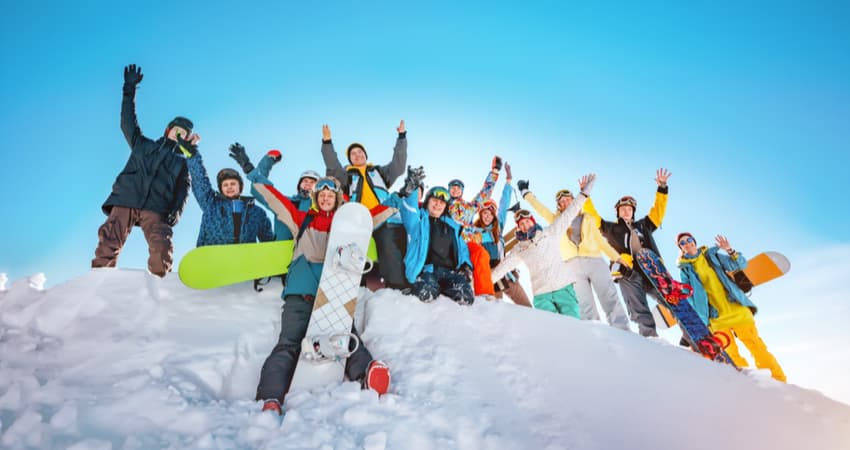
{"points": [[440, 193], [563, 193], [326, 183], [522, 214], [687, 240]]}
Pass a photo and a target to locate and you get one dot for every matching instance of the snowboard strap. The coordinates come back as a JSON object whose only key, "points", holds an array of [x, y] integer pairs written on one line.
{"points": [[304, 226]]}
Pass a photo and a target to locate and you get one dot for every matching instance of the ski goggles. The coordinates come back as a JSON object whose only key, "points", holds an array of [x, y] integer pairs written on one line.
{"points": [[687, 240], [489, 204], [626, 201], [522, 214], [439, 193], [563, 193], [456, 182], [326, 183]]}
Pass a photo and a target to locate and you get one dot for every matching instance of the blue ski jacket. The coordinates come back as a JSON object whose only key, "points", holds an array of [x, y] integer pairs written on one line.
{"points": [[721, 263], [418, 229], [217, 221]]}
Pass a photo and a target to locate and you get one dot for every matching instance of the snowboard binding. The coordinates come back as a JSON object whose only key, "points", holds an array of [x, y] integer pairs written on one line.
{"points": [[350, 257], [328, 348]]}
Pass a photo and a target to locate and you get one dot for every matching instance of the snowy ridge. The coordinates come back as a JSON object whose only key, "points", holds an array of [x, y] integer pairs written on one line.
{"points": [[121, 359]]}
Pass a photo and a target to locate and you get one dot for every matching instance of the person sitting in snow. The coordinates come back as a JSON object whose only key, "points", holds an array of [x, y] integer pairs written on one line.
{"points": [[437, 258], [463, 212], [311, 230], [487, 230], [228, 217], [369, 184], [720, 303], [540, 249], [582, 247], [152, 189]]}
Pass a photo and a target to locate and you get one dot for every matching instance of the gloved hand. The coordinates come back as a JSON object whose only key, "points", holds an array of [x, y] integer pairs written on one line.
{"points": [[172, 218], [237, 152], [412, 181], [274, 155], [514, 208], [189, 148], [132, 77], [522, 185], [497, 163], [466, 271], [586, 184]]}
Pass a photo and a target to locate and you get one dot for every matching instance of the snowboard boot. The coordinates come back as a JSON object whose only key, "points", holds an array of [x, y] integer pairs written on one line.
{"points": [[377, 377], [272, 406]]}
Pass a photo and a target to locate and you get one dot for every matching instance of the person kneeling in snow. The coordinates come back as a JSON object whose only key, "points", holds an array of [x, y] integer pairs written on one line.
{"points": [[311, 238], [437, 258], [720, 303], [540, 250]]}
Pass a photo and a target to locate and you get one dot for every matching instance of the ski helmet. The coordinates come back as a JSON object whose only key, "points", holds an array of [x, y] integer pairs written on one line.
{"points": [[331, 184], [627, 200], [489, 204], [306, 174], [456, 182], [228, 174], [438, 192], [181, 122]]}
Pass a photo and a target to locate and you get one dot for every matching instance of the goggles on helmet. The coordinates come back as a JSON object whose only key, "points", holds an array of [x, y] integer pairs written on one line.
{"points": [[439, 193], [563, 193], [626, 201], [489, 204], [522, 214], [326, 183]]}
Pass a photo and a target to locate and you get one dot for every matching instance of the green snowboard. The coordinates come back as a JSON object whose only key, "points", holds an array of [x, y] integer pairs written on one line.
{"points": [[214, 266]]}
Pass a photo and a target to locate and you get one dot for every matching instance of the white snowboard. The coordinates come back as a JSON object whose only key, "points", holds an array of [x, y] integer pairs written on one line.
{"points": [[333, 310]]}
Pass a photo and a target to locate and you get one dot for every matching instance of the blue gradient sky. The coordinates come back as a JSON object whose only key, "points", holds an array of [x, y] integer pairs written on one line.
{"points": [[747, 105]]}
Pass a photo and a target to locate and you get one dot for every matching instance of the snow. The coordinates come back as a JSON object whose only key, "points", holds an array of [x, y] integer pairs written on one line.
{"points": [[121, 359]]}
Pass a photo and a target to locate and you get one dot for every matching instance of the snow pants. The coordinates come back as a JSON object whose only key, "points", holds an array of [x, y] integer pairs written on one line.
{"points": [[563, 301], [429, 285], [114, 233], [634, 289], [280, 364], [481, 273], [749, 336], [391, 244], [591, 274]]}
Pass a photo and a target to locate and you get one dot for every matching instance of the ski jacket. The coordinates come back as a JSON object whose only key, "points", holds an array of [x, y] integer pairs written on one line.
{"points": [[463, 212], [217, 220], [542, 254], [417, 224], [617, 233], [260, 174], [484, 235], [591, 242], [378, 179], [721, 263], [155, 177], [308, 255]]}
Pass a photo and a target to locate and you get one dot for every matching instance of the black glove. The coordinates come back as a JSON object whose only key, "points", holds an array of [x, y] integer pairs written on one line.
{"points": [[522, 185], [514, 208], [497, 163], [237, 152], [413, 180], [172, 218], [187, 147], [132, 76], [466, 271]]}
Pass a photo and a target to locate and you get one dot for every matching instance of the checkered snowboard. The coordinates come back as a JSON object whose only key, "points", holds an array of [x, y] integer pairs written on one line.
{"points": [[333, 310]]}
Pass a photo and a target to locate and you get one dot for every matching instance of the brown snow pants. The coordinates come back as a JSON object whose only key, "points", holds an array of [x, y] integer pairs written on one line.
{"points": [[114, 233]]}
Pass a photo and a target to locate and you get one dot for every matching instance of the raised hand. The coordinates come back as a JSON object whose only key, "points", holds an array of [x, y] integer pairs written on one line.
{"points": [[326, 132], [723, 243], [661, 176], [522, 185], [508, 172], [401, 128], [132, 75], [586, 183], [237, 152], [189, 146], [412, 181], [496, 165]]}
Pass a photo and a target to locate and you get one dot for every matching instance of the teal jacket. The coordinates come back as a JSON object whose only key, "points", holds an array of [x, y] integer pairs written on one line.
{"points": [[721, 263]]}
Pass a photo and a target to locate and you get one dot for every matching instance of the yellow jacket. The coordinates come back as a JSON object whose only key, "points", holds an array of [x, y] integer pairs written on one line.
{"points": [[592, 243]]}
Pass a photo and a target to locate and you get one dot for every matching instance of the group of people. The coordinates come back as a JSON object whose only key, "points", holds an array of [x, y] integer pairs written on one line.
{"points": [[429, 242]]}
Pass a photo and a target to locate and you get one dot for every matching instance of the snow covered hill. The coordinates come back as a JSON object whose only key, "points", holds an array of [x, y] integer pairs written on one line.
{"points": [[120, 359]]}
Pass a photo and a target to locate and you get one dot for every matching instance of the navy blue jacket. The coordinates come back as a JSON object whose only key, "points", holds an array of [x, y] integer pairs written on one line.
{"points": [[155, 177]]}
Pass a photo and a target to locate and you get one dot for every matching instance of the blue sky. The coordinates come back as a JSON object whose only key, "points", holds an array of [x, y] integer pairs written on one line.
{"points": [[747, 105]]}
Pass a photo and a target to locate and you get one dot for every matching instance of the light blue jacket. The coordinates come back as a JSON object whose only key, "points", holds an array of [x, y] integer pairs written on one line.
{"points": [[418, 227], [721, 263]]}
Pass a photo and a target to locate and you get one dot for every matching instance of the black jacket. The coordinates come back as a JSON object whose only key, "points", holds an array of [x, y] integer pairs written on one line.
{"points": [[155, 177], [618, 233]]}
